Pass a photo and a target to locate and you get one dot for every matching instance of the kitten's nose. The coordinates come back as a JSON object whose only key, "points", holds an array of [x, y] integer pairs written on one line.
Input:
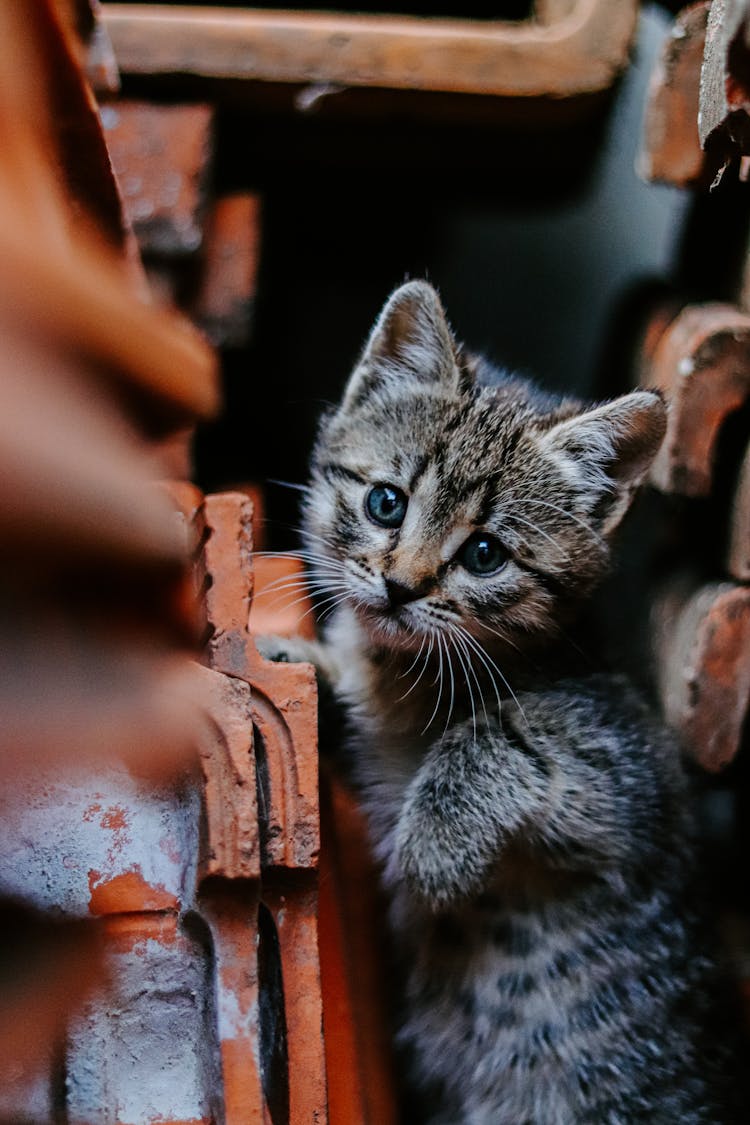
{"points": [[398, 594]]}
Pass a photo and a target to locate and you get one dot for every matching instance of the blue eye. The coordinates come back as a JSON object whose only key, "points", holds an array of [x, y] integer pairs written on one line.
{"points": [[386, 505], [482, 554]]}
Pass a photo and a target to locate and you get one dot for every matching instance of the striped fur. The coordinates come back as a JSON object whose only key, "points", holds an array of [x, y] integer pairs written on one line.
{"points": [[530, 822]]}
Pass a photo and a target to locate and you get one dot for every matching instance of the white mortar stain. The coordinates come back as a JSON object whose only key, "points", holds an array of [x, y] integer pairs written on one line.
{"points": [[234, 1021], [142, 1054], [56, 832]]}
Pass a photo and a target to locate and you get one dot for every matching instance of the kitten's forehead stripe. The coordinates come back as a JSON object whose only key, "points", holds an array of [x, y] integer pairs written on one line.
{"points": [[418, 470], [333, 469]]}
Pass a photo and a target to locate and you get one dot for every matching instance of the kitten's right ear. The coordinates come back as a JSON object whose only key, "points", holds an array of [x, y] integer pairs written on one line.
{"points": [[411, 339]]}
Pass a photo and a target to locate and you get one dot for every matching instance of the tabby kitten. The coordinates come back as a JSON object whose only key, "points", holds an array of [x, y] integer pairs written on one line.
{"points": [[529, 820]]}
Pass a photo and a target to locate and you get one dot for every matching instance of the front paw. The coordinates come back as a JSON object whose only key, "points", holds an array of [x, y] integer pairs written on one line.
{"points": [[278, 649], [283, 650], [437, 865]]}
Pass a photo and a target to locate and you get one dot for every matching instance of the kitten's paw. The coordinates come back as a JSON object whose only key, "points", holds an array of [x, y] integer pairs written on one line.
{"points": [[296, 650], [281, 650], [433, 867]]}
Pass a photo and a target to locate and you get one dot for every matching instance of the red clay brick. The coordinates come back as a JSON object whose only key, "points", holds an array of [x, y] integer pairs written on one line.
{"points": [[703, 664], [231, 912], [229, 892], [671, 151], [361, 1084], [232, 847], [738, 554], [63, 963], [224, 303], [578, 48], [724, 121], [162, 157], [284, 717], [127, 893], [91, 669], [284, 695], [702, 365], [294, 906]]}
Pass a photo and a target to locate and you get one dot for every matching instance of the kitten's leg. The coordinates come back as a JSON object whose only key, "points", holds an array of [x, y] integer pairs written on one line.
{"points": [[568, 770], [468, 796]]}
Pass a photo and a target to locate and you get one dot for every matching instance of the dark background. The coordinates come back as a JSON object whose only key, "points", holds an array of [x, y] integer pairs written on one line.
{"points": [[547, 248]]}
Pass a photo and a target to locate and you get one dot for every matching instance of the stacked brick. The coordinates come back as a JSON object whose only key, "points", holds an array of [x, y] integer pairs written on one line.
{"points": [[701, 362], [160, 832], [566, 49], [699, 357], [200, 248], [283, 889], [99, 700]]}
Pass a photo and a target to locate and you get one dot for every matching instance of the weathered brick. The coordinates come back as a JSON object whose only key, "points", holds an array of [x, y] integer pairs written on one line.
{"points": [[361, 1084], [162, 157], [232, 845], [144, 1052], [738, 553], [557, 57], [62, 962], [702, 639], [724, 120], [671, 151], [224, 303], [702, 365], [95, 572], [283, 701], [230, 911], [284, 694]]}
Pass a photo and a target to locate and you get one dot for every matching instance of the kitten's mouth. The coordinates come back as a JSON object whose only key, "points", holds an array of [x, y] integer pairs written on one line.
{"points": [[392, 627]]}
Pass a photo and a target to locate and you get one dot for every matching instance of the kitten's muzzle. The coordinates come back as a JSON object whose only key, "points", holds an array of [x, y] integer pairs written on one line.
{"points": [[399, 594]]}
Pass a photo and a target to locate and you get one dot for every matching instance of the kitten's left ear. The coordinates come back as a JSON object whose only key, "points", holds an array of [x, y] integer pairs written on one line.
{"points": [[606, 452], [410, 340]]}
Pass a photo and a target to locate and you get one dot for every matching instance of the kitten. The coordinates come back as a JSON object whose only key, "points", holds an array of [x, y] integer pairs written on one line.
{"points": [[530, 819]]}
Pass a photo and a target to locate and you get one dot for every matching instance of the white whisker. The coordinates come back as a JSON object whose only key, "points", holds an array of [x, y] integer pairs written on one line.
{"points": [[505, 639], [453, 684], [477, 648], [312, 557], [301, 581], [328, 588], [331, 608], [555, 507], [305, 534], [467, 678], [414, 661], [315, 601], [540, 531], [484, 656], [440, 685], [423, 669], [335, 599], [290, 484], [467, 652]]}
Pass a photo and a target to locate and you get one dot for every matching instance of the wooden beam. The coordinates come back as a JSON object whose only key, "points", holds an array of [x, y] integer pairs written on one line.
{"points": [[581, 52]]}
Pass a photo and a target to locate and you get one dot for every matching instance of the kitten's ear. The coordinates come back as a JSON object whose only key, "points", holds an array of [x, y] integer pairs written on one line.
{"points": [[606, 452], [411, 339]]}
